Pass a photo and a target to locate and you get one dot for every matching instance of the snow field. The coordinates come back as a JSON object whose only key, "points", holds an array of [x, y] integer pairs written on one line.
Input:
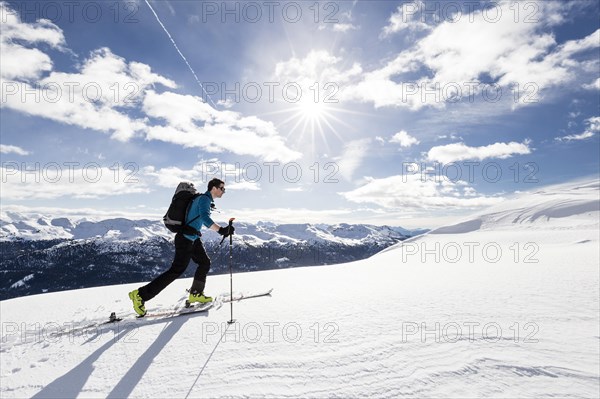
{"points": [[401, 323]]}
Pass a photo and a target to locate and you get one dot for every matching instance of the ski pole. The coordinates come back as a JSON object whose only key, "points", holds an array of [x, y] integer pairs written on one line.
{"points": [[230, 271]]}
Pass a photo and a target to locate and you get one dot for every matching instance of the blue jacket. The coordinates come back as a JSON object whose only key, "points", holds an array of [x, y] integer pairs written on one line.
{"points": [[200, 208]]}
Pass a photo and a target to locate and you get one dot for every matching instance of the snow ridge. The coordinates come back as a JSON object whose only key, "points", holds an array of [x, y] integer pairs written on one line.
{"points": [[537, 209]]}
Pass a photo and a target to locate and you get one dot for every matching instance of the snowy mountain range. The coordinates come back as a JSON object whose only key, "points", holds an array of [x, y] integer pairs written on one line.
{"points": [[501, 304], [35, 226], [45, 254]]}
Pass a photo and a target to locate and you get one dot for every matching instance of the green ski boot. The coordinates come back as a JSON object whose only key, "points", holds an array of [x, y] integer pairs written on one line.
{"points": [[138, 303], [197, 298]]}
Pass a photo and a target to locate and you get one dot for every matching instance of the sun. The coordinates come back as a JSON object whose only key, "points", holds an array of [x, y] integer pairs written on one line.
{"points": [[311, 110], [312, 122], [310, 119]]}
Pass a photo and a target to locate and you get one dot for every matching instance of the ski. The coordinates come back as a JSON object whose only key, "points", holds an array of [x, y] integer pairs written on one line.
{"points": [[114, 319], [180, 312], [240, 297], [166, 314]]}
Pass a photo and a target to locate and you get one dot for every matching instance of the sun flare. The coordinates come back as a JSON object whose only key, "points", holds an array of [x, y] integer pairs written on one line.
{"points": [[308, 123], [311, 110]]}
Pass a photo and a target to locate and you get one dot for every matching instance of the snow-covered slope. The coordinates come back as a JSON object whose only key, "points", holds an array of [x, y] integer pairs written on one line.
{"points": [[574, 204], [504, 304]]}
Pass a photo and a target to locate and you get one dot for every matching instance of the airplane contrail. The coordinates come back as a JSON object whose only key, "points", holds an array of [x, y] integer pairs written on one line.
{"points": [[180, 53]]}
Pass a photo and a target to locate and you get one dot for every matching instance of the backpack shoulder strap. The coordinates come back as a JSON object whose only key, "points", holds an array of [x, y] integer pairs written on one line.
{"points": [[187, 210]]}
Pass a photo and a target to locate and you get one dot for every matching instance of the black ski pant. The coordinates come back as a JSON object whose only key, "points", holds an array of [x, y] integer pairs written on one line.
{"points": [[184, 251]]}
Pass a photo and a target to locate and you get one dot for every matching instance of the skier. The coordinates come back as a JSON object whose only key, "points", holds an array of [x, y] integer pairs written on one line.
{"points": [[188, 247]]}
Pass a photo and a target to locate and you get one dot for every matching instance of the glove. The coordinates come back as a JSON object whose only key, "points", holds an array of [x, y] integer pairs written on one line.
{"points": [[226, 231]]}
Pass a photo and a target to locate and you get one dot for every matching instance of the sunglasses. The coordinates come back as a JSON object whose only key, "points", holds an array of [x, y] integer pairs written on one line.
{"points": [[222, 189]]}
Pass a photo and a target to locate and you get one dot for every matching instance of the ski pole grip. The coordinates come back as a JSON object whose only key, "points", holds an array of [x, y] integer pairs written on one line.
{"points": [[228, 230], [231, 235]]}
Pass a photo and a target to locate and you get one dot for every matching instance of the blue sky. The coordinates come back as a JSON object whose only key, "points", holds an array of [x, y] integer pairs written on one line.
{"points": [[400, 113]]}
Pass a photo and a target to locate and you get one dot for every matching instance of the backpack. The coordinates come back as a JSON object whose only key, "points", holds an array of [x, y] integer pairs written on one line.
{"points": [[175, 217]]}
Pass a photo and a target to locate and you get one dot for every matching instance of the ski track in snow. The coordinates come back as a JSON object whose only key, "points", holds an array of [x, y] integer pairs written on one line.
{"points": [[355, 323]]}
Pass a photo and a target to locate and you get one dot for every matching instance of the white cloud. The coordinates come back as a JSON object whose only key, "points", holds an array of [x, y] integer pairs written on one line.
{"points": [[106, 89], [50, 181], [227, 103], [16, 60], [317, 66], [343, 22], [192, 123], [90, 214], [404, 139], [12, 149], [19, 62], [53, 181], [595, 85], [375, 216], [593, 123], [343, 28], [92, 98], [407, 16], [171, 176], [243, 186], [236, 176], [406, 218], [352, 157], [329, 215], [456, 57], [43, 30], [576, 137], [593, 128], [412, 192], [460, 151]]}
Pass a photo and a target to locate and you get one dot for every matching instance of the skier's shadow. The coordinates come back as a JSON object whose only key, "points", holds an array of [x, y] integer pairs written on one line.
{"points": [[71, 384], [130, 380]]}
